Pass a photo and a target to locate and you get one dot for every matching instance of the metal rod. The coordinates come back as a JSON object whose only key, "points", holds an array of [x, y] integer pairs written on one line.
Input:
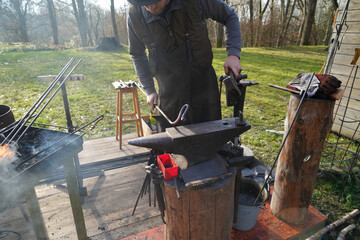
{"points": [[351, 141], [47, 103], [285, 138], [36, 105], [181, 116], [26, 169], [345, 111], [350, 170], [98, 119]]}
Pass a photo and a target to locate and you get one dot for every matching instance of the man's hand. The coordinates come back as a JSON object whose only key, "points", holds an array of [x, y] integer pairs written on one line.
{"points": [[152, 99], [232, 62]]}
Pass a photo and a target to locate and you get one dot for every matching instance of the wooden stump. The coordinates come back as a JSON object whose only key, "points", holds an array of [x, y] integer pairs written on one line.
{"points": [[300, 157], [205, 213]]}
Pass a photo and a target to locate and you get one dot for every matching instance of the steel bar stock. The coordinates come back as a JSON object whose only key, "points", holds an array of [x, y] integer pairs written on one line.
{"points": [[47, 103], [36, 105], [181, 116]]}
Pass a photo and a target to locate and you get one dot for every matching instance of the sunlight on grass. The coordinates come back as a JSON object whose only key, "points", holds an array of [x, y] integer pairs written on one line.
{"points": [[265, 107]]}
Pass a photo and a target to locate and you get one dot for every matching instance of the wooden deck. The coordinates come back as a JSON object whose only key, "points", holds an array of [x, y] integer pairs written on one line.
{"points": [[113, 178]]}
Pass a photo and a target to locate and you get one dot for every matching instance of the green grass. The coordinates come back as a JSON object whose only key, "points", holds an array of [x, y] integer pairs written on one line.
{"points": [[265, 107]]}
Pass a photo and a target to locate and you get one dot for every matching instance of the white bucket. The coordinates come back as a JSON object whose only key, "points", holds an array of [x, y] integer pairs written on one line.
{"points": [[248, 212]]}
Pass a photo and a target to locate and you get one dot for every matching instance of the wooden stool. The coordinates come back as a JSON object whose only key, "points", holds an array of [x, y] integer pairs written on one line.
{"points": [[121, 90]]}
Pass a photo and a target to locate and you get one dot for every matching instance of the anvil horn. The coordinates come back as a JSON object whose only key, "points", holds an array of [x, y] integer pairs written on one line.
{"points": [[161, 142]]}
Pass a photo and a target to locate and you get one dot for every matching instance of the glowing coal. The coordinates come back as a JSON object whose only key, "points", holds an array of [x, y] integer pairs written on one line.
{"points": [[6, 151]]}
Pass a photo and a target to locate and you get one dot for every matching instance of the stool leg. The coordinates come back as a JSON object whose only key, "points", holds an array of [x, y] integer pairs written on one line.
{"points": [[138, 114], [135, 111], [120, 118], [117, 114]]}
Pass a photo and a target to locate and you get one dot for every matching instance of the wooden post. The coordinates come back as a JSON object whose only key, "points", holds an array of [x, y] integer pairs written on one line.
{"points": [[75, 200], [36, 216], [300, 158], [201, 214]]}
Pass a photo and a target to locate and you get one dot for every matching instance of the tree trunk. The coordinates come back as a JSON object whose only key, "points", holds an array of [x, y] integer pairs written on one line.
{"points": [[259, 26], [21, 19], [53, 21], [251, 22], [309, 22], [219, 35], [303, 8], [286, 24], [328, 33], [113, 20], [79, 12]]}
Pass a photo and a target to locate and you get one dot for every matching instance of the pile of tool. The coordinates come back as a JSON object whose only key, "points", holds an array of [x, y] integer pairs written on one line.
{"points": [[322, 86]]}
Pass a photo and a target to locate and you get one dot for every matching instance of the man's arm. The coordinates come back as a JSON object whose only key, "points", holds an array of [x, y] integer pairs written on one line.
{"points": [[141, 65], [219, 11]]}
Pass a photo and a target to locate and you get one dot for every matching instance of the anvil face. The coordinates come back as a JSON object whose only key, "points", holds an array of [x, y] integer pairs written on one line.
{"points": [[197, 142]]}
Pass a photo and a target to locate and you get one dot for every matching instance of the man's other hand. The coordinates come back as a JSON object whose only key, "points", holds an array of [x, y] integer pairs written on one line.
{"points": [[232, 62], [152, 99]]}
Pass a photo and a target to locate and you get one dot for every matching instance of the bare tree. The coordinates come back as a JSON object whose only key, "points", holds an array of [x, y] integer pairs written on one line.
{"points": [[331, 12], [309, 22], [113, 20], [16, 11], [94, 21], [260, 22], [53, 21], [285, 19], [81, 20], [251, 22]]}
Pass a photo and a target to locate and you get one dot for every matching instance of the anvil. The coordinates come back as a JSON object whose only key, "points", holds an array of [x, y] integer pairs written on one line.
{"points": [[196, 142]]}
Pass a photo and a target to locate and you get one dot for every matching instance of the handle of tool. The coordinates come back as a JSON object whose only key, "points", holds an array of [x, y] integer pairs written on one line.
{"points": [[284, 88], [207, 181]]}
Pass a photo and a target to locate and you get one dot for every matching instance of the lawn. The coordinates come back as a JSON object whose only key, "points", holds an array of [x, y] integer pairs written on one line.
{"points": [[265, 107]]}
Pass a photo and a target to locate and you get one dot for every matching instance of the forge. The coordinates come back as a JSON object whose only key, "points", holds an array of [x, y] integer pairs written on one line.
{"points": [[39, 152]]}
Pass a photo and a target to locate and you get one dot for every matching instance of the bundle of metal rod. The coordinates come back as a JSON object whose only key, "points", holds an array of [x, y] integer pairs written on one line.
{"points": [[15, 135]]}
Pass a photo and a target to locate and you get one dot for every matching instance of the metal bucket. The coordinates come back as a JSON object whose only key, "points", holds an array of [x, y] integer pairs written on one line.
{"points": [[6, 116], [248, 212]]}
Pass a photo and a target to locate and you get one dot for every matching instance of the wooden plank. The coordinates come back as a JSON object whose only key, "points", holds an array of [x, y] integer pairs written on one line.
{"points": [[345, 131], [351, 114], [352, 15], [354, 4], [342, 71], [107, 208], [352, 103], [105, 149], [50, 78], [347, 49]]}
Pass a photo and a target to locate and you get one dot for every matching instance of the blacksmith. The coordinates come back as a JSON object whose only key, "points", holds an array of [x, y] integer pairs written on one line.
{"points": [[180, 55]]}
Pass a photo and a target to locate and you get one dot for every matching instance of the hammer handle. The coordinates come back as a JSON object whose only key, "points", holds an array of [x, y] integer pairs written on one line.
{"points": [[284, 88]]}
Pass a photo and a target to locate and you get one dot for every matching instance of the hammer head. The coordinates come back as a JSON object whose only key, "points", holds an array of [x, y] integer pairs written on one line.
{"points": [[197, 142]]}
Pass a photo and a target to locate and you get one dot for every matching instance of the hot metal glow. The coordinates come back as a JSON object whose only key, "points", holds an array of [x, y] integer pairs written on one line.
{"points": [[5, 151]]}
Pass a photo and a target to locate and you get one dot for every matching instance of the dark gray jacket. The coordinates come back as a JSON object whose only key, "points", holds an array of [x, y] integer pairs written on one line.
{"points": [[214, 9]]}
